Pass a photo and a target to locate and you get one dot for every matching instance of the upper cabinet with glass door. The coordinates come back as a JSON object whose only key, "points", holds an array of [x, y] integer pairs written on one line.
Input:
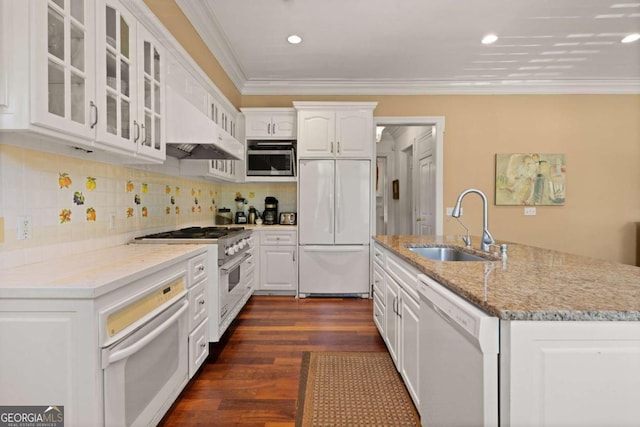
{"points": [[63, 94], [129, 85]]}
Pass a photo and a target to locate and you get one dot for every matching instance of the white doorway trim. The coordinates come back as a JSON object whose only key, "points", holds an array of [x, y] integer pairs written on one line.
{"points": [[439, 123]]}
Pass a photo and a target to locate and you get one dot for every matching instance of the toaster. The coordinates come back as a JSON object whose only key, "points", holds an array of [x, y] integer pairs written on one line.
{"points": [[287, 218]]}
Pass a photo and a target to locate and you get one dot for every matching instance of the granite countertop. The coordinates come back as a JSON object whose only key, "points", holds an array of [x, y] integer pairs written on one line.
{"points": [[93, 273], [533, 283]]}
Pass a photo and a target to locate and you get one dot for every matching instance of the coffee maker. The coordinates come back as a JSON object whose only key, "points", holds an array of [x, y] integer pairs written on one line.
{"points": [[270, 214]]}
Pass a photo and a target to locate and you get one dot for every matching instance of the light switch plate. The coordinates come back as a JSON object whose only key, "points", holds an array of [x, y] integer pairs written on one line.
{"points": [[529, 211]]}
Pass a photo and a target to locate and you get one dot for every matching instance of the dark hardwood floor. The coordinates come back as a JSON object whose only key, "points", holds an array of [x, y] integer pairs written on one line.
{"points": [[252, 377]]}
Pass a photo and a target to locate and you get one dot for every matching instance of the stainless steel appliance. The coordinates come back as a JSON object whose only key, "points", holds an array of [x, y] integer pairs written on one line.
{"points": [[287, 218], [270, 214], [231, 249], [144, 351], [271, 158]]}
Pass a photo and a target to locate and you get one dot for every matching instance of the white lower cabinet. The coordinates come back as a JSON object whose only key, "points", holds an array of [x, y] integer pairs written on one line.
{"points": [[569, 373], [278, 261], [408, 350], [58, 350], [400, 316]]}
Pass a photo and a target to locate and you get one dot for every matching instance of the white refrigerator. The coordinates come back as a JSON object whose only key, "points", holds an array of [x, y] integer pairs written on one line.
{"points": [[334, 199]]}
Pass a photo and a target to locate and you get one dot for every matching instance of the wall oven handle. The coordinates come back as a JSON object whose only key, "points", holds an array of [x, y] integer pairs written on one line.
{"points": [[228, 269], [128, 351]]}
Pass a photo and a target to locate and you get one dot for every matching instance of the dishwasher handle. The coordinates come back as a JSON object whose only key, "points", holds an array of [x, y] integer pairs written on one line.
{"points": [[133, 348]]}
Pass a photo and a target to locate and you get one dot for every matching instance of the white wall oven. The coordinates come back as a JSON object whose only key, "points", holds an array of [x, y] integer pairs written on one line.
{"points": [[144, 352]]}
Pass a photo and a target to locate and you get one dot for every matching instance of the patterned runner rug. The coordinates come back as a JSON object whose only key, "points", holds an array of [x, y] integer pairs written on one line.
{"points": [[352, 389]]}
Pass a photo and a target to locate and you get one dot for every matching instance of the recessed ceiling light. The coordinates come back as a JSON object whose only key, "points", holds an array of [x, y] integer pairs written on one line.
{"points": [[294, 39], [631, 38], [489, 38]]}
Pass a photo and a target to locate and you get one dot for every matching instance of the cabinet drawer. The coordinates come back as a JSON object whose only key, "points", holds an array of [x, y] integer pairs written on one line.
{"points": [[379, 255], [405, 275], [378, 280], [198, 304], [198, 347], [278, 237], [198, 269], [378, 312]]}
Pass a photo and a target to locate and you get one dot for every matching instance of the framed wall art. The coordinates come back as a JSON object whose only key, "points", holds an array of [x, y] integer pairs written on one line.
{"points": [[530, 179], [395, 186]]}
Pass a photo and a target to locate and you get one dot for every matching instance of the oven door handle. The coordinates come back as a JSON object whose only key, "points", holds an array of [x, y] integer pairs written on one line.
{"points": [[128, 351], [228, 269]]}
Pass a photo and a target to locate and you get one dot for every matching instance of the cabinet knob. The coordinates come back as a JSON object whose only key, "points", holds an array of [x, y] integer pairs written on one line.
{"points": [[201, 302]]}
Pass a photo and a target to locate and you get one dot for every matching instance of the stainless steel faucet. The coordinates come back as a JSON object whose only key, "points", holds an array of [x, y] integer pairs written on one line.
{"points": [[487, 238]]}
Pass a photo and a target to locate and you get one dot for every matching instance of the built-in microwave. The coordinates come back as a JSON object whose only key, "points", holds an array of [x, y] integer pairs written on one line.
{"points": [[271, 158]]}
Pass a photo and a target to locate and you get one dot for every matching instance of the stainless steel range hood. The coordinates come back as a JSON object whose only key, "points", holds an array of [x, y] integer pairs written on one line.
{"points": [[193, 135]]}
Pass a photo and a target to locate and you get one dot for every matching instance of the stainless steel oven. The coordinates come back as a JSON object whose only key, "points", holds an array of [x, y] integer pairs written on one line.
{"points": [[235, 278], [271, 158]]}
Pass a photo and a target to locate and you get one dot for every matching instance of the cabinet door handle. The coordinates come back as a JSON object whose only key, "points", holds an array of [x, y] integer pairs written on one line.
{"points": [[399, 313], [136, 132], [268, 128], [338, 147], [331, 146], [294, 255], [95, 108], [143, 132], [274, 128]]}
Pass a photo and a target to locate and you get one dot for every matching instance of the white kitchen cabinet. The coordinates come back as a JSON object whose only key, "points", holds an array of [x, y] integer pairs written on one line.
{"points": [[401, 315], [53, 330], [408, 350], [582, 373], [327, 130], [270, 123], [218, 170], [130, 84], [379, 288], [63, 65], [278, 261], [96, 77]]}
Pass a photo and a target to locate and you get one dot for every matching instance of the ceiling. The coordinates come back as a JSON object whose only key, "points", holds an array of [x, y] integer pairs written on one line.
{"points": [[422, 46]]}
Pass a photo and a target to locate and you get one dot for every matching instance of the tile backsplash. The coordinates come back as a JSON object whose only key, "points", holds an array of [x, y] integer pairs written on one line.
{"points": [[75, 205]]}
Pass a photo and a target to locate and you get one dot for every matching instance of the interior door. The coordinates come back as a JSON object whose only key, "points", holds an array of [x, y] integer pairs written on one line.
{"points": [[425, 215], [316, 181], [353, 201]]}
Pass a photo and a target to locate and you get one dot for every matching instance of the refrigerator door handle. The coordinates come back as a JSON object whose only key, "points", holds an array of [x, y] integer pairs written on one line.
{"points": [[331, 212], [338, 212]]}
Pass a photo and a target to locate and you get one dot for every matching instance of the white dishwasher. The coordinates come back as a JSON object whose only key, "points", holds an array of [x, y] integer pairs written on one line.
{"points": [[458, 360]]}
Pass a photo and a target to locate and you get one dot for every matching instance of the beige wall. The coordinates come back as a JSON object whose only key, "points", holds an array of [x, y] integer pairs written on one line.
{"points": [[600, 135]]}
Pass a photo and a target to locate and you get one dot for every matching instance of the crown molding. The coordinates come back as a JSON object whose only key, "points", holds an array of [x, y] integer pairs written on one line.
{"points": [[430, 87], [201, 17]]}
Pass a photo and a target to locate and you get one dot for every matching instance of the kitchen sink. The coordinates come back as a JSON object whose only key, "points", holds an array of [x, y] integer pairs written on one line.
{"points": [[446, 254]]}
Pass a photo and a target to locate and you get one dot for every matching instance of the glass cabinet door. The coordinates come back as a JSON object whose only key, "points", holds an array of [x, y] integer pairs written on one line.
{"points": [[151, 108], [64, 85], [117, 124]]}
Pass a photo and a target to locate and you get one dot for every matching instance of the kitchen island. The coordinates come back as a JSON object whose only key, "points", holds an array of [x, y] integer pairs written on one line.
{"points": [[569, 327]]}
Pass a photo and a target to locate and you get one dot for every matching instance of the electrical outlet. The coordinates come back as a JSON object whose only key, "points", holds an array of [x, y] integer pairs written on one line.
{"points": [[24, 227], [529, 211]]}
